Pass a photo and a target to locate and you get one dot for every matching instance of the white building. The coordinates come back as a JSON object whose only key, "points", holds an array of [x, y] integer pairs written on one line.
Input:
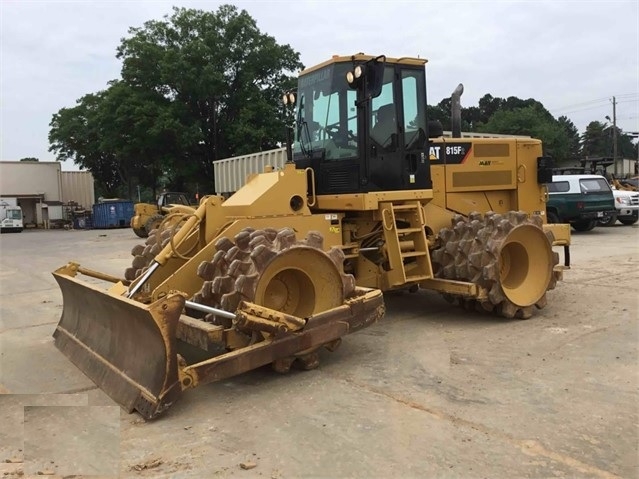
{"points": [[42, 188]]}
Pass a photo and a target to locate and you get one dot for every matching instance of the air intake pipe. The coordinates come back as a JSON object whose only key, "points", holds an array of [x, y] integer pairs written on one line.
{"points": [[455, 113]]}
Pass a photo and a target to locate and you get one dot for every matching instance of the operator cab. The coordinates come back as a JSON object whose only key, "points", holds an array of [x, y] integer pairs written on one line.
{"points": [[169, 198], [360, 124]]}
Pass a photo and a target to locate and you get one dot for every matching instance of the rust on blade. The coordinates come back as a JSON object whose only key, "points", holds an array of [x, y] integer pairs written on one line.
{"points": [[126, 348]]}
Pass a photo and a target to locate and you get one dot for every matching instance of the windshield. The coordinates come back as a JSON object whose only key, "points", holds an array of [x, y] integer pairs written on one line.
{"points": [[14, 214], [327, 114], [175, 199]]}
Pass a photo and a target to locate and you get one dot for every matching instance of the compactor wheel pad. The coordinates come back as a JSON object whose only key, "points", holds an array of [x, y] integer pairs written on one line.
{"points": [[508, 254], [143, 254], [140, 232], [273, 269], [153, 223]]}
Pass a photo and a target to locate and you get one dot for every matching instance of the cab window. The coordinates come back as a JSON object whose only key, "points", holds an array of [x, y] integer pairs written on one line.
{"points": [[558, 187], [383, 121], [594, 185], [414, 117]]}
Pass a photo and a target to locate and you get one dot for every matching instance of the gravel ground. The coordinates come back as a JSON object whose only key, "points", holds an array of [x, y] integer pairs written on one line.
{"points": [[429, 391]]}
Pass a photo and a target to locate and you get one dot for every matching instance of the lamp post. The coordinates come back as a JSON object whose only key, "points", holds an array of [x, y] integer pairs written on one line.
{"points": [[614, 133]]}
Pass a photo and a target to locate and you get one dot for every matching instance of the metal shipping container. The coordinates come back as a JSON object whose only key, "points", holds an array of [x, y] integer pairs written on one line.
{"points": [[112, 214], [78, 187], [231, 173]]}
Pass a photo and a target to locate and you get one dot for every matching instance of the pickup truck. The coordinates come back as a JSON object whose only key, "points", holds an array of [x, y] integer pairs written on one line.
{"points": [[627, 208], [581, 200]]}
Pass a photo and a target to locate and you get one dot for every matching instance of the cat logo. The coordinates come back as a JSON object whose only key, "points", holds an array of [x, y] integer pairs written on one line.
{"points": [[433, 153]]}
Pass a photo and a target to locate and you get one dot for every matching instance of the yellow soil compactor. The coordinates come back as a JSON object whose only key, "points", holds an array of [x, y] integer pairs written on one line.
{"points": [[373, 198]]}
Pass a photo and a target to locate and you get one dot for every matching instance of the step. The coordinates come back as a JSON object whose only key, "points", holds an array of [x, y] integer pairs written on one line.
{"points": [[409, 230], [413, 254]]}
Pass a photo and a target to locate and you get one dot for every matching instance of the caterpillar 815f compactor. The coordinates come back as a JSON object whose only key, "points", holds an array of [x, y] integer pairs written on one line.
{"points": [[298, 257]]}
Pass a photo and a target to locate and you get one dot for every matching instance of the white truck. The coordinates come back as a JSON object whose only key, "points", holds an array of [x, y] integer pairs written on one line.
{"points": [[627, 208], [11, 219]]}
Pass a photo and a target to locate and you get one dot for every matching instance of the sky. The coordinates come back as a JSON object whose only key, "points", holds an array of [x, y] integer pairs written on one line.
{"points": [[572, 56]]}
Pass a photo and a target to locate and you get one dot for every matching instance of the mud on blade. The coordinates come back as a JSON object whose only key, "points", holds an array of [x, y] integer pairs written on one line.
{"points": [[126, 348]]}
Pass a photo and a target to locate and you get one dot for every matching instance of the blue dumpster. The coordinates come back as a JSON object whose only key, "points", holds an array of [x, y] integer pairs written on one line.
{"points": [[112, 214]]}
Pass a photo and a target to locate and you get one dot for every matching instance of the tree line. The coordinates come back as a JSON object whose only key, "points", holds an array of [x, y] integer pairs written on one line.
{"points": [[195, 87], [560, 137], [198, 86]]}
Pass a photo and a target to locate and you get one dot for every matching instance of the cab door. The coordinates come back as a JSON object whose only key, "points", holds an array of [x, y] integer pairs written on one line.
{"points": [[396, 142]]}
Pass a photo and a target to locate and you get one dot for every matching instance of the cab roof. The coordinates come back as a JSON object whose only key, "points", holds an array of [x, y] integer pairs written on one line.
{"points": [[362, 57]]}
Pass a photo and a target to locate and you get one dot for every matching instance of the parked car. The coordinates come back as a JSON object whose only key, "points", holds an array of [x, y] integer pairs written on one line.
{"points": [[580, 200], [627, 208]]}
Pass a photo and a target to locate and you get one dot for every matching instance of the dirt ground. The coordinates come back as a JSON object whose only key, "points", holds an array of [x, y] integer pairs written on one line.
{"points": [[429, 391]]}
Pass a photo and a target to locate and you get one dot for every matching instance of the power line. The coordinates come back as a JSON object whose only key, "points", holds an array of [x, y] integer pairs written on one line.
{"points": [[600, 100], [594, 107], [623, 95], [592, 102], [583, 109]]}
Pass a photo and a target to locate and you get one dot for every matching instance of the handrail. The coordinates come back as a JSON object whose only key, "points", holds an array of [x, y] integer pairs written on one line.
{"points": [[313, 196]]}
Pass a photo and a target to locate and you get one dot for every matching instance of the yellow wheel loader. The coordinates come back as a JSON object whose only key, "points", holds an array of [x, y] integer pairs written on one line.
{"points": [[148, 217], [372, 199]]}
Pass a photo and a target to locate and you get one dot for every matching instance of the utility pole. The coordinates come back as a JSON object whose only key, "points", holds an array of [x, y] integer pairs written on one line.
{"points": [[614, 133]]}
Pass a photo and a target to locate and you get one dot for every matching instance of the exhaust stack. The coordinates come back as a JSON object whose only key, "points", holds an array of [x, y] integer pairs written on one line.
{"points": [[455, 106]]}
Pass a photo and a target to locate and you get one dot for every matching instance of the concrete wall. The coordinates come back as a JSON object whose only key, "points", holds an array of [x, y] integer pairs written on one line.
{"points": [[25, 179], [41, 187]]}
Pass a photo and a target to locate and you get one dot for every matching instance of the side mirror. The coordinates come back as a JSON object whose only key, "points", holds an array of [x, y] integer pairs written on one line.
{"points": [[374, 78], [544, 169]]}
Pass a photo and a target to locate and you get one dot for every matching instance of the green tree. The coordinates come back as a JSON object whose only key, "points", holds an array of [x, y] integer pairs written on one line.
{"points": [[75, 135], [488, 106], [144, 130], [442, 113], [596, 140], [29, 158], [572, 135], [532, 120], [124, 135], [439, 113], [224, 76], [473, 117], [625, 146]]}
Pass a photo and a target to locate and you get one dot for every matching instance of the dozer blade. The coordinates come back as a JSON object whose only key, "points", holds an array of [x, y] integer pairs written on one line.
{"points": [[126, 348]]}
